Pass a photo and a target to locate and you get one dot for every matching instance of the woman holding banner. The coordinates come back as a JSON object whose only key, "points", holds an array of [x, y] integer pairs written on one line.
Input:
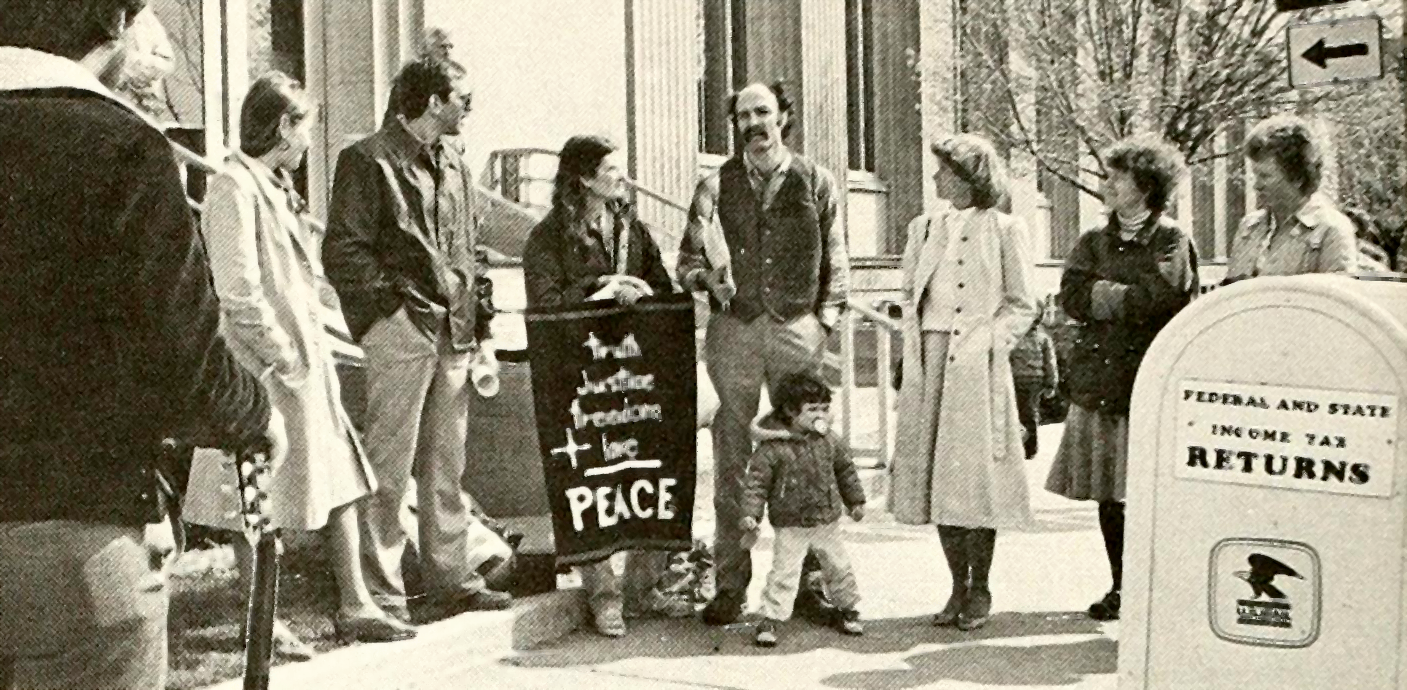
{"points": [[591, 247], [276, 308]]}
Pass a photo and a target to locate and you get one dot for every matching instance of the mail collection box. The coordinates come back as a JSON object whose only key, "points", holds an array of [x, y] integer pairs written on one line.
{"points": [[1265, 508]]}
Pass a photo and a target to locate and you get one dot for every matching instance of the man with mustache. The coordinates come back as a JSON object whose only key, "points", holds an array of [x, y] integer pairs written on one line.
{"points": [[764, 241]]}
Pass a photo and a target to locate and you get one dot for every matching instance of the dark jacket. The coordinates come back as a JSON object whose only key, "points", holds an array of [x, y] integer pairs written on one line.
{"points": [[787, 259], [401, 232], [562, 267], [110, 341], [1033, 359], [804, 480], [1122, 293]]}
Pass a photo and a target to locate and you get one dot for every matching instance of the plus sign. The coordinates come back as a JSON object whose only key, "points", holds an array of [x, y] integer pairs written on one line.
{"points": [[571, 448]]}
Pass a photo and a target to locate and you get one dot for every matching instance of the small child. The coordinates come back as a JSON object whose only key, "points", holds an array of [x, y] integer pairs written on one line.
{"points": [[805, 478], [1035, 374]]}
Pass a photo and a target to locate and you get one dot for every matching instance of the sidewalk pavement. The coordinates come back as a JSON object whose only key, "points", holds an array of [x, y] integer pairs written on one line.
{"points": [[1037, 638]]}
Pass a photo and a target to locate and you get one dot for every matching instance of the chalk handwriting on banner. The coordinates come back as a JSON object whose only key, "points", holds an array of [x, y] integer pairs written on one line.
{"points": [[1301, 439], [613, 389]]}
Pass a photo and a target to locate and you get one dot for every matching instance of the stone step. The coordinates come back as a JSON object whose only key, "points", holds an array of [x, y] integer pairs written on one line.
{"points": [[491, 634]]}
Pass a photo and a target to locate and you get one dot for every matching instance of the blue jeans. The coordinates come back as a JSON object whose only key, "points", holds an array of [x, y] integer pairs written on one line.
{"points": [[82, 605]]}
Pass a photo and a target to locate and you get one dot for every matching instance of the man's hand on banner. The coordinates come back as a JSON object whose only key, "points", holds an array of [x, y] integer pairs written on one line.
{"points": [[747, 524], [857, 513]]}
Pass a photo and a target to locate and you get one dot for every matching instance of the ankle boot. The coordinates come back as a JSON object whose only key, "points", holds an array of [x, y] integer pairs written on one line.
{"points": [[955, 551], [981, 543]]}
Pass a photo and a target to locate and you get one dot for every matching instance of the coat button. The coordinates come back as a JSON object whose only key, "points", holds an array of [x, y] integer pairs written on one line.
{"points": [[959, 310], [956, 332], [959, 262], [961, 285], [964, 239], [952, 358]]}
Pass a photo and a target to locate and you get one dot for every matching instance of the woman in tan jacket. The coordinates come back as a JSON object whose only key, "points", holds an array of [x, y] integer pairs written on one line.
{"points": [[959, 462], [275, 306]]}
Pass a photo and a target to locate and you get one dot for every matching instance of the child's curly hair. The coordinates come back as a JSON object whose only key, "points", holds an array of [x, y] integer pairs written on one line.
{"points": [[796, 391]]}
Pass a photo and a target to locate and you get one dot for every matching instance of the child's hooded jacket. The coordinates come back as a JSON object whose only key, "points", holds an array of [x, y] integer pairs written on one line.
{"points": [[806, 480]]}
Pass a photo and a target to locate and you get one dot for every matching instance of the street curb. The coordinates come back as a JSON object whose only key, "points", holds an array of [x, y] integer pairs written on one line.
{"points": [[465, 639]]}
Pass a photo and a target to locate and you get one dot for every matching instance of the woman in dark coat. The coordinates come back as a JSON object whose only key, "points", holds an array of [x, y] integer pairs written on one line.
{"points": [[591, 247], [1123, 283]]}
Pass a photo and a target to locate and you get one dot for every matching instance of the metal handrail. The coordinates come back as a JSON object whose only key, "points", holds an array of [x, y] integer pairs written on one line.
{"points": [[889, 324], [499, 154]]}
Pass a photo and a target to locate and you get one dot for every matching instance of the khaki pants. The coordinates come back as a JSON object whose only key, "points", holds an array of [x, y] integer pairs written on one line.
{"points": [[417, 417], [742, 356], [605, 588], [82, 605], [789, 548]]}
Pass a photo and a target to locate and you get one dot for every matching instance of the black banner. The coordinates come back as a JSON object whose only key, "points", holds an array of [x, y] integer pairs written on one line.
{"points": [[614, 392]]}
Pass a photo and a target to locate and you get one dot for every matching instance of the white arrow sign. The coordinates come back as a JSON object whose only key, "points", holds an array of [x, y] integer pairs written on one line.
{"points": [[1335, 51]]}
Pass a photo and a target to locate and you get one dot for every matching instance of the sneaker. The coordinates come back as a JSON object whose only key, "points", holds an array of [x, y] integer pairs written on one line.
{"points": [[609, 621], [766, 633], [848, 621], [1106, 609], [657, 604]]}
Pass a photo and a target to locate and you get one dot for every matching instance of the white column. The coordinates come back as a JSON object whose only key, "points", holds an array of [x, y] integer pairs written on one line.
{"points": [[315, 81], [354, 49], [236, 48], [662, 110], [938, 82], [1219, 180], [212, 13]]}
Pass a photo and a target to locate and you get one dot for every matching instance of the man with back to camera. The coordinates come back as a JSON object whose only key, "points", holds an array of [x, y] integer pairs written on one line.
{"points": [[401, 234], [765, 242], [110, 346]]}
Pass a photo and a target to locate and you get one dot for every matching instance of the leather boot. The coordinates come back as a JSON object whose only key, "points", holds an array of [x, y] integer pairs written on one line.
{"points": [[981, 543], [954, 544]]}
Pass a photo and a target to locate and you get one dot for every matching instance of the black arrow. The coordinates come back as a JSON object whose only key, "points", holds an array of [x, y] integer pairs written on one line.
{"points": [[1320, 54]]}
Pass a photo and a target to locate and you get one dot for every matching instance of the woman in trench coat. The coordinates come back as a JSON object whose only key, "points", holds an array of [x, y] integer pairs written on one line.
{"points": [[959, 462], [275, 306]]}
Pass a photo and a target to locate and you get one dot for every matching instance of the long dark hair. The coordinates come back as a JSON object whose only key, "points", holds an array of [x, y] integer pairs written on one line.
{"points": [[270, 97], [578, 160]]}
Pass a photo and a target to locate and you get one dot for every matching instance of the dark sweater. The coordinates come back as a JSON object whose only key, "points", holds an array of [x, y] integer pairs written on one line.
{"points": [[562, 268], [1159, 269], [110, 341]]}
